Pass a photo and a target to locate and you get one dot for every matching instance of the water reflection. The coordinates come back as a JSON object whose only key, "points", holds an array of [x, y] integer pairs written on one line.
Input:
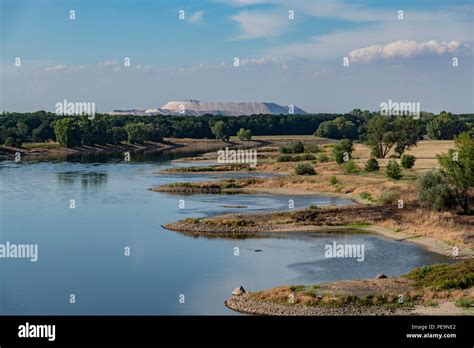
{"points": [[135, 155], [87, 179]]}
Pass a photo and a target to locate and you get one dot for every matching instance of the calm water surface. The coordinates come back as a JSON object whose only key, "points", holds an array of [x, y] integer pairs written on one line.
{"points": [[81, 250]]}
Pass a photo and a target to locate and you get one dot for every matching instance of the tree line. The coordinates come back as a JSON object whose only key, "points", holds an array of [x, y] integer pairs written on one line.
{"points": [[381, 132]]}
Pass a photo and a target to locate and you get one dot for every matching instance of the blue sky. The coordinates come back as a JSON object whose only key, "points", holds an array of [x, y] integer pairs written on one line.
{"points": [[296, 61]]}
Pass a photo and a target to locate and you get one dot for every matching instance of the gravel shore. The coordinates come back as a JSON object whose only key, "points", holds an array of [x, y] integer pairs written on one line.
{"points": [[245, 304]]}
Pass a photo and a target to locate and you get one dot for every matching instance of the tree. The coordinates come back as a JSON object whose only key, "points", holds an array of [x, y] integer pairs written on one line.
{"points": [[244, 134], [12, 142], [337, 129], [393, 170], [220, 131], [136, 132], [43, 133], [343, 151], [86, 127], [22, 131], [379, 136], [67, 132], [445, 127], [457, 168], [153, 133], [408, 132], [116, 135]]}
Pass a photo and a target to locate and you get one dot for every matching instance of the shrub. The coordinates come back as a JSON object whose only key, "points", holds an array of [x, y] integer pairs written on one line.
{"points": [[333, 180], [312, 148], [304, 169], [284, 149], [230, 184], [459, 275], [372, 165], [393, 170], [297, 147], [322, 157], [388, 196], [365, 195], [349, 167], [10, 142], [434, 192], [244, 134], [284, 158], [304, 157], [464, 302], [407, 161], [342, 151]]}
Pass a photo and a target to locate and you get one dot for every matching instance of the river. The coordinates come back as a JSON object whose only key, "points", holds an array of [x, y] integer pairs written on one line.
{"points": [[81, 250]]}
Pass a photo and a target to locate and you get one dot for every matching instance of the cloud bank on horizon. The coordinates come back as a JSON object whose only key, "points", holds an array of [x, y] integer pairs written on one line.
{"points": [[324, 56]]}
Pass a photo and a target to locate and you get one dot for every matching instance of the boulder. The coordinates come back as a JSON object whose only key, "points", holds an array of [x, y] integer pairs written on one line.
{"points": [[381, 276], [239, 291]]}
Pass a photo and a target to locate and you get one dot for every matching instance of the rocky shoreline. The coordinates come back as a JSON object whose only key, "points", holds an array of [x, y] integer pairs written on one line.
{"points": [[245, 304]]}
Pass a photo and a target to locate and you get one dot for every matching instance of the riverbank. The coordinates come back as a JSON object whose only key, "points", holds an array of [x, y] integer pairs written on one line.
{"points": [[45, 150], [422, 291], [412, 224], [410, 221]]}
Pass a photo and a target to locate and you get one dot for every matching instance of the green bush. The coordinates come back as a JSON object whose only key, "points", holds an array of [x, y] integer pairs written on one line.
{"points": [[284, 149], [12, 142], [459, 275], [312, 148], [297, 147], [304, 157], [244, 134], [349, 167], [333, 180], [372, 165], [322, 157], [434, 191], [365, 195], [340, 150], [393, 170], [284, 158], [464, 302], [408, 161], [388, 196], [230, 184], [304, 169]]}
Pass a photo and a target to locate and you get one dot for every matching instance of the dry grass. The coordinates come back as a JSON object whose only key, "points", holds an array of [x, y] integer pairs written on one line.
{"points": [[425, 153], [378, 291]]}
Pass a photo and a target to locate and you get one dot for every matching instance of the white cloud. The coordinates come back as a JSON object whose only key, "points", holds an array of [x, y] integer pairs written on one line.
{"points": [[260, 61], [257, 25], [338, 44], [107, 63], [56, 68], [196, 17], [403, 49], [65, 67]]}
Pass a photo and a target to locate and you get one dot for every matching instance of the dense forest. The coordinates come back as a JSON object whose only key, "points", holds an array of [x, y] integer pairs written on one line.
{"points": [[70, 131]]}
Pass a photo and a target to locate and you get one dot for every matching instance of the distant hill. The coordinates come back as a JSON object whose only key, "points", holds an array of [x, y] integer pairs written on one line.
{"points": [[197, 108]]}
